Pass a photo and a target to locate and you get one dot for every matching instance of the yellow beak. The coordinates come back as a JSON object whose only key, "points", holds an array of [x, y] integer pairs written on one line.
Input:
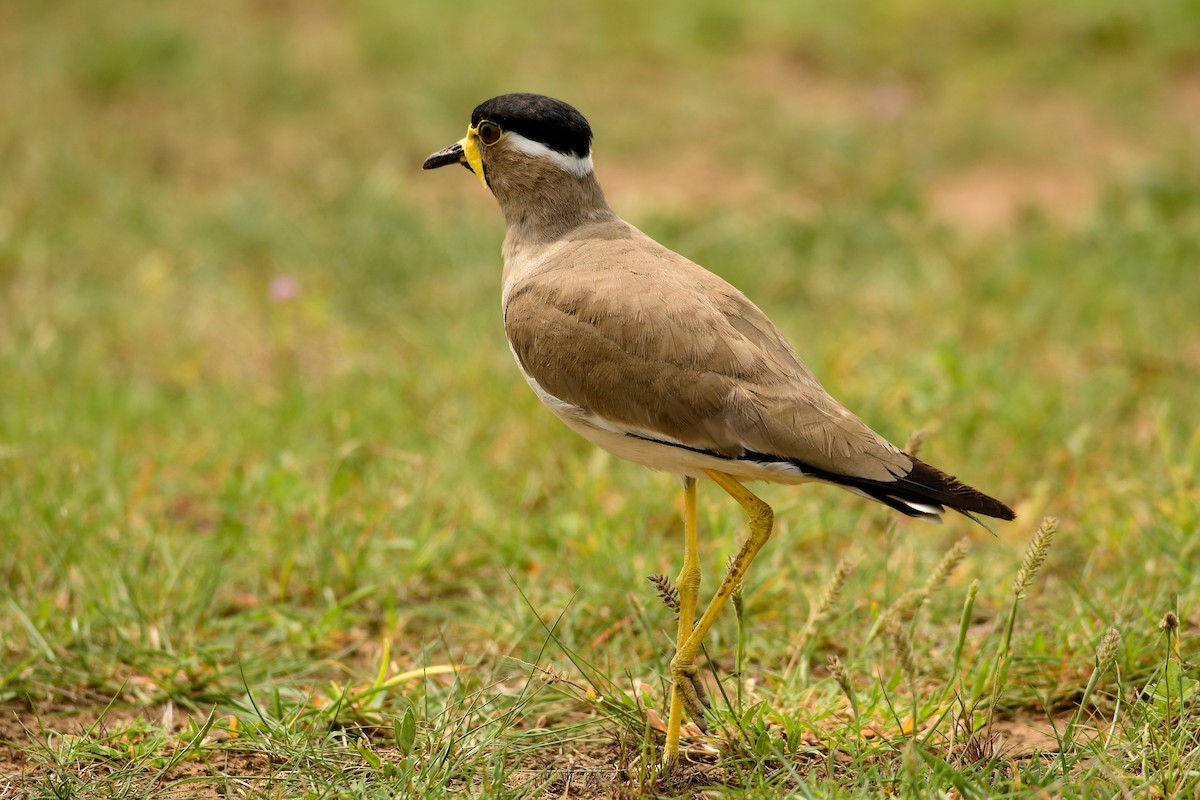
{"points": [[465, 151]]}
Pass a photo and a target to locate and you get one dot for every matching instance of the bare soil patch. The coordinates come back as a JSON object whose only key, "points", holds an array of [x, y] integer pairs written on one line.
{"points": [[994, 197]]}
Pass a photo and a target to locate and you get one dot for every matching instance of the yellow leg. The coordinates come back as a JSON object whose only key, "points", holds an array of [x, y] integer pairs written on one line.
{"points": [[761, 520], [689, 594], [683, 664]]}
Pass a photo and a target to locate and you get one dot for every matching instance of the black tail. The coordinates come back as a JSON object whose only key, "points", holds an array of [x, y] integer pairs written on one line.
{"points": [[922, 493]]}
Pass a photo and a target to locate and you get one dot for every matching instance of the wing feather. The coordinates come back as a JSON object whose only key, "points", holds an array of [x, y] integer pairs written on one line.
{"points": [[665, 347]]}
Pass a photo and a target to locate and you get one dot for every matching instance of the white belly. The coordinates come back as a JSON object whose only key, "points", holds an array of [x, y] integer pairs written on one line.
{"points": [[678, 460]]}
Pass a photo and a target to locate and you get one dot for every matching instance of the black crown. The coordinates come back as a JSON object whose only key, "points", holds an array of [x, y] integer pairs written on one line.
{"points": [[542, 119]]}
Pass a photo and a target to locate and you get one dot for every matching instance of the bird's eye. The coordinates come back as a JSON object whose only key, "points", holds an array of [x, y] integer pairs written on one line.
{"points": [[489, 132]]}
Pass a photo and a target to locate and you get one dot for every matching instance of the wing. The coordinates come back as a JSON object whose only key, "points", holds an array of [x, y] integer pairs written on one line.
{"points": [[664, 349]]}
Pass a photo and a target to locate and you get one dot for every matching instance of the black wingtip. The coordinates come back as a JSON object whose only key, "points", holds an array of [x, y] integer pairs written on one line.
{"points": [[920, 492], [978, 521], [930, 483]]}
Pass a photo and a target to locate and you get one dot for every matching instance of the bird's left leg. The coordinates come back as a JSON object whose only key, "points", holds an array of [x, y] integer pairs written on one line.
{"points": [[682, 691], [761, 521]]}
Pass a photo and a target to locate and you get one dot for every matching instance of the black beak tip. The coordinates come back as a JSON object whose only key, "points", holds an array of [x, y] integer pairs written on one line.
{"points": [[451, 155]]}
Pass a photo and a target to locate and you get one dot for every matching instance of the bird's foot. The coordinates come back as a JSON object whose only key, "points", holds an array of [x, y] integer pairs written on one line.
{"points": [[693, 693]]}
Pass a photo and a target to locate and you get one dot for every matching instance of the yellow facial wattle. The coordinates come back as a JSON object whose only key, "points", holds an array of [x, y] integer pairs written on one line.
{"points": [[471, 153]]}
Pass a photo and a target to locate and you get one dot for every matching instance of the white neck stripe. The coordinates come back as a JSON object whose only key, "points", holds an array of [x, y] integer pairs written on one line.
{"points": [[573, 164]]}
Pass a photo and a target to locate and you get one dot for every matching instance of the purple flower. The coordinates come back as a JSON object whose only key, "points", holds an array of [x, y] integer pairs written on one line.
{"points": [[283, 288]]}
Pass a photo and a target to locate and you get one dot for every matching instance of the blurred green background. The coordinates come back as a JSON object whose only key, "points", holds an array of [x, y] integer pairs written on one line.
{"points": [[257, 411]]}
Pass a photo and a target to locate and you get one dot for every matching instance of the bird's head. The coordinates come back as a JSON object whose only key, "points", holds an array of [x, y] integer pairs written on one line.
{"points": [[521, 137]]}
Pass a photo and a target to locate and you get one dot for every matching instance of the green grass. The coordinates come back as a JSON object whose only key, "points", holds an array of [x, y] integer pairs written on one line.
{"points": [[329, 545]]}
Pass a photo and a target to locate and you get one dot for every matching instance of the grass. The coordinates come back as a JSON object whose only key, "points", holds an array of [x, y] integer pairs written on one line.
{"points": [[279, 518]]}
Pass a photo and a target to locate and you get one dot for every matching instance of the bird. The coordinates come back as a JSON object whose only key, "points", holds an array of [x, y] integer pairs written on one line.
{"points": [[663, 363]]}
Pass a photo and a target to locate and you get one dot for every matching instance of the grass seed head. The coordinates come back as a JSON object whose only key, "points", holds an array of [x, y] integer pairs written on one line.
{"points": [[903, 646], [1106, 653], [552, 675], [915, 440], [972, 591], [833, 590], [839, 672], [842, 675], [666, 591], [1035, 556], [941, 573]]}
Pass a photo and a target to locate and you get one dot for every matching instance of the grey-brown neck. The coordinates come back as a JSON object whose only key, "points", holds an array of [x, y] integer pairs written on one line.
{"points": [[542, 202]]}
